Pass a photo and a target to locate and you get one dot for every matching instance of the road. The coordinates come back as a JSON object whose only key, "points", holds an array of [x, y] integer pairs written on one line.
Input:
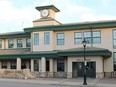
{"points": [[16, 84]]}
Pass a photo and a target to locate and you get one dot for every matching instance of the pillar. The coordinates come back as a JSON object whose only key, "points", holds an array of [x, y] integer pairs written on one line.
{"points": [[27, 64], [43, 67], [51, 68], [43, 64], [8, 65], [18, 63], [51, 65], [0, 64], [32, 65]]}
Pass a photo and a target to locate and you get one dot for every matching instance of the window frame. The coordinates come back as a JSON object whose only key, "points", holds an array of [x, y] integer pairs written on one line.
{"points": [[114, 46], [20, 41], [28, 44], [76, 38], [46, 40], [60, 39], [0, 44], [96, 37], [11, 43], [36, 39], [59, 65]]}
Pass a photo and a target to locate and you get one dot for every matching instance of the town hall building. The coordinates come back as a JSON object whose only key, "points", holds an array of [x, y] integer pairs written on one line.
{"points": [[53, 49]]}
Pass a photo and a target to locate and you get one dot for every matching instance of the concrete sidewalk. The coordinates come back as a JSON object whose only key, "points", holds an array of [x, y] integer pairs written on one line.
{"points": [[69, 82]]}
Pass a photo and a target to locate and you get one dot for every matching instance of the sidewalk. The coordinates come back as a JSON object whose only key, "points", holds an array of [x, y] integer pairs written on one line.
{"points": [[69, 82]]}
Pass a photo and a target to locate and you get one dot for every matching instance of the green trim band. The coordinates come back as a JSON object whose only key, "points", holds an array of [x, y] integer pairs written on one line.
{"points": [[19, 35], [78, 26]]}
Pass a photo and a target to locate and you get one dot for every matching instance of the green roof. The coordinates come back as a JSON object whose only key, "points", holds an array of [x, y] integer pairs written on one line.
{"points": [[26, 53], [14, 35], [74, 26], [48, 7]]}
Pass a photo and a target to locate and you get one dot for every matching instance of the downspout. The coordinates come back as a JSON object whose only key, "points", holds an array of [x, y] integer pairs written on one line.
{"points": [[91, 36], [103, 68]]}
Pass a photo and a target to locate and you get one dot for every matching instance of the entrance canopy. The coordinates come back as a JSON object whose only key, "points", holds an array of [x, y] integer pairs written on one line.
{"points": [[26, 53]]}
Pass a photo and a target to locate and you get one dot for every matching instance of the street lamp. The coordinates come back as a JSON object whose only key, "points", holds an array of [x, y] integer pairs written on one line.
{"points": [[85, 63]]}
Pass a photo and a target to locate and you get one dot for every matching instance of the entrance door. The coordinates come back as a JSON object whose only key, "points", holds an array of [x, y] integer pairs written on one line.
{"points": [[78, 69]]}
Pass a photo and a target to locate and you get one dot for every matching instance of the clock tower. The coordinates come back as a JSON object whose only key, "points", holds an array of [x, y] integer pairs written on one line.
{"points": [[47, 16]]}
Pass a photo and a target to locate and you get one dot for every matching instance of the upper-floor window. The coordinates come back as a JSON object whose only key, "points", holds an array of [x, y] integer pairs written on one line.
{"points": [[36, 39], [78, 37], [0, 43], [28, 42], [87, 36], [19, 43], [60, 39], [114, 38], [96, 36], [10, 43], [93, 37], [46, 38]]}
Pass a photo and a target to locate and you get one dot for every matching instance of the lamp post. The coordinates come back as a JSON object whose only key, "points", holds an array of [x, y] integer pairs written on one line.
{"points": [[85, 63]]}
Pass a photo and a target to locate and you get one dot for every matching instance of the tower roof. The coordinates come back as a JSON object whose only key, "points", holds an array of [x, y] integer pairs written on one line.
{"points": [[48, 7]]}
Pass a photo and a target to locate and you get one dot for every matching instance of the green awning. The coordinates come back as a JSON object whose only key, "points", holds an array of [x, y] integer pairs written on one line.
{"points": [[26, 53]]}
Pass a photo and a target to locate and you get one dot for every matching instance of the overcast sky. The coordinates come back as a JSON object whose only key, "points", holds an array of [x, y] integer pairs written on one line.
{"points": [[18, 14]]}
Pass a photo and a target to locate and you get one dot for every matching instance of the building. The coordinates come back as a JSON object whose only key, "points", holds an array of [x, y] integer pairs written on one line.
{"points": [[53, 49]]}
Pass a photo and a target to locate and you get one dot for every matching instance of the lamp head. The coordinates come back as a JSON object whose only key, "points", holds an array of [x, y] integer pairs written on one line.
{"points": [[84, 42]]}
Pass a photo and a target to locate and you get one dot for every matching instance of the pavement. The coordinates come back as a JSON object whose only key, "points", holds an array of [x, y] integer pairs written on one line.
{"points": [[73, 82]]}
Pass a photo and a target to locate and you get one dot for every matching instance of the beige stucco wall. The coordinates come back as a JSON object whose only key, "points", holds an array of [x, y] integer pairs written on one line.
{"points": [[106, 42], [45, 23], [5, 42], [42, 46]]}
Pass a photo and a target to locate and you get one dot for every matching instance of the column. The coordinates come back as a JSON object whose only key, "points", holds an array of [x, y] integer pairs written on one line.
{"points": [[32, 65], [51, 68], [0, 65], [40, 67], [51, 65], [43, 64], [8, 65], [27, 64], [43, 67], [18, 63]]}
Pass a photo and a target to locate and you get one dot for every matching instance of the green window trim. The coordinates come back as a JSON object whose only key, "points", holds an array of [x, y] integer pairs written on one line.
{"points": [[36, 38], [47, 38], [77, 37], [10, 43], [19, 43], [60, 38]]}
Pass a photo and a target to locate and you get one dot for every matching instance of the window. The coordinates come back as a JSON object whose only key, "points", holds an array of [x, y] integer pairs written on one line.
{"points": [[10, 43], [114, 60], [46, 38], [47, 65], [19, 43], [36, 65], [28, 42], [96, 37], [13, 64], [114, 38], [114, 55], [78, 38], [4, 64], [60, 39], [0, 43], [87, 36], [36, 39], [60, 65]]}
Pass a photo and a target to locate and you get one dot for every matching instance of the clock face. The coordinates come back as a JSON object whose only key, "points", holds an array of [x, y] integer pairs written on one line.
{"points": [[45, 13]]}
